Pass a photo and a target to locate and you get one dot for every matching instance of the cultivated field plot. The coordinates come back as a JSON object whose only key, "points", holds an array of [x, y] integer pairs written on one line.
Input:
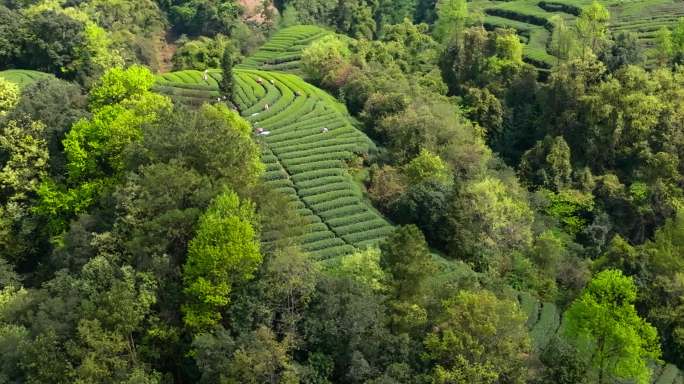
{"points": [[283, 51], [531, 19], [544, 322], [23, 77], [305, 152]]}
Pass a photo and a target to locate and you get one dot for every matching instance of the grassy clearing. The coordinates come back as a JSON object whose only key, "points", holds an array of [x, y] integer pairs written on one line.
{"points": [[23, 77]]}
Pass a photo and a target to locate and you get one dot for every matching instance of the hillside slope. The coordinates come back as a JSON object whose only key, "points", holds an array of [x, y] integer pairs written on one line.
{"points": [[23, 77], [283, 51], [531, 18], [310, 139]]}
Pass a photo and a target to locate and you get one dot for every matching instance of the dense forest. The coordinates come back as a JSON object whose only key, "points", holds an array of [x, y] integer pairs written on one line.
{"points": [[342, 191]]}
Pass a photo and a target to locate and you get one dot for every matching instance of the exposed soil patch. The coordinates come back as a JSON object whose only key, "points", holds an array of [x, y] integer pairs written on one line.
{"points": [[253, 10], [167, 50]]}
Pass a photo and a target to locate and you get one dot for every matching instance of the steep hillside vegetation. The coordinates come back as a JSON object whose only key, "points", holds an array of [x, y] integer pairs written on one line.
{"points": [[532, 20], [283, 51], [309, 142]]}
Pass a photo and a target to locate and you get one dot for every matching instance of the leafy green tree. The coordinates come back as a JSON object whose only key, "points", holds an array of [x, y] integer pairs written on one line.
{"points": [[357, 18], [362, 266], [9, 96], [478, 338], [606, 328], [563, 364], [625, 50], [88, 326], [406, 259], [425, 205], [289, 282], [203, 17], [664, 50], [118, 84], [198, 139], [395, 12], [508, 47], [58, 105], [255, 357], [324, 55], [54, 43], [547, 164], [563, 43], [484, 108], [427, 167], [489, 218], [411, 45], [591, 27], [94, 147], [660, 271], [12, 35], [201, 53], [23, 167], [226, 83], [451, 19], [224, 253], [573, 209], [387, 186], [262, 359], [678, 40], [346, 324]]}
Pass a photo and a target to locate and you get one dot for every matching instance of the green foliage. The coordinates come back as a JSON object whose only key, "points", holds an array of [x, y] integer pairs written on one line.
{"points": [[592, 26], [226, 83], [563, 43], [425, 167], [451, 19], [407, 261], [24, 155], [572, 208], [323, 55], [203, 17], [224, 253], [489, 216], [362, 266], [478, 338], [58, 105], [547, 164], [563, 364], [119, 84], [508, 47], [9, 96], [605, 327], [201, 54]]}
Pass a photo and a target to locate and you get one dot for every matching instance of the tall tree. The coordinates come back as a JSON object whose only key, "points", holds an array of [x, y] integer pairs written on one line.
{"points": [[451, 19], [226, 83], [478, 339], [224, 253], [592, 26], [562, 41], [605, 327], [406, 259]]}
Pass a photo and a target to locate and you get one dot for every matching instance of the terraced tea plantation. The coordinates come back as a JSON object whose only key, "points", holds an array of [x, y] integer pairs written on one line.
{"points": [[544, 322], [22, 77], [531, 18], [310, 139], [283, 51]]}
